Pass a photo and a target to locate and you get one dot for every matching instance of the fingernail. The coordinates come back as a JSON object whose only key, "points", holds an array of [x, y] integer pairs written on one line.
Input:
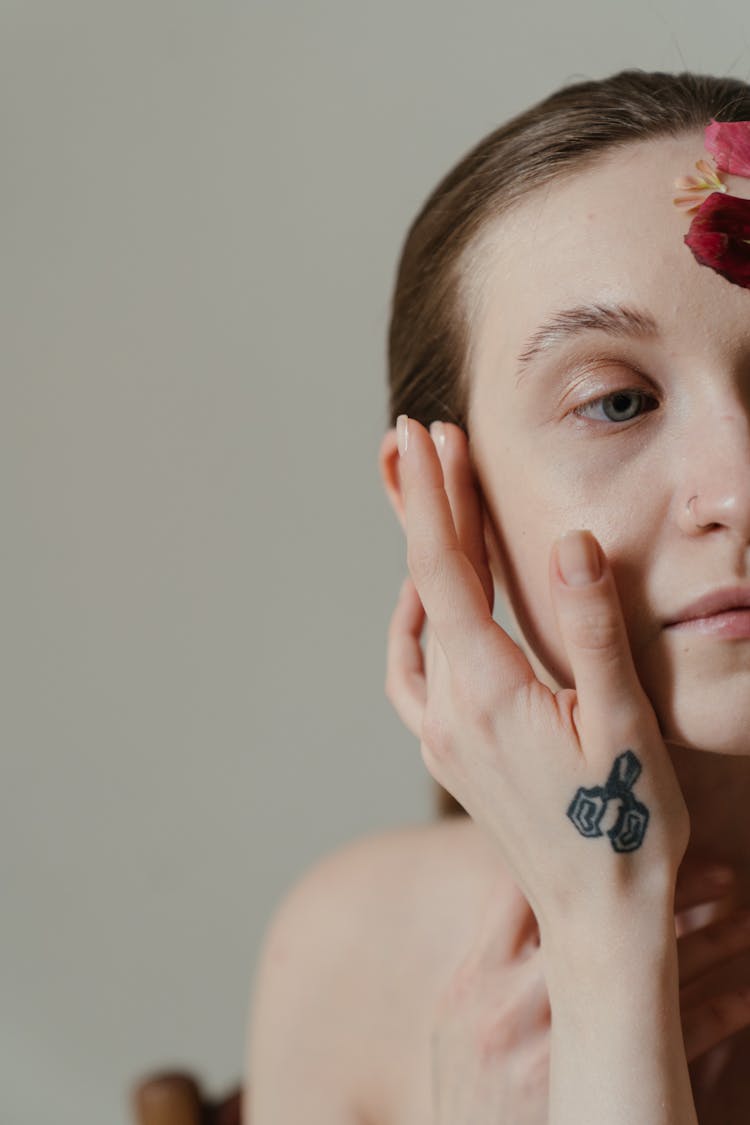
{"points": [[437, 432], [402, 433], [578, 557]]}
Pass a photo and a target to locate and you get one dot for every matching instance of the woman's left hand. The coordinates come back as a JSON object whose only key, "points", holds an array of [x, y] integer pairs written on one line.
{"points": [[489, 1049], [490, 1039]]}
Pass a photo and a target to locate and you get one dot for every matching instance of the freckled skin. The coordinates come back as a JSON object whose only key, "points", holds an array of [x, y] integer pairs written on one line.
{"points": [[613, 233]]}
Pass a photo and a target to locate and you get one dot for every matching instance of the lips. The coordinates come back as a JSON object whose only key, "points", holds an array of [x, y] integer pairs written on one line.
{"points": [[717, 601]]}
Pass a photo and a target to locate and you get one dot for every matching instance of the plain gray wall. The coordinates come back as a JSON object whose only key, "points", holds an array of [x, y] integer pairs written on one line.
{"points": [[202, 208]]}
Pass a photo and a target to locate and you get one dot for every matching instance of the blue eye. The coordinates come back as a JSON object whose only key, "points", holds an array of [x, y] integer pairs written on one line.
{"points": [[623, 405]]}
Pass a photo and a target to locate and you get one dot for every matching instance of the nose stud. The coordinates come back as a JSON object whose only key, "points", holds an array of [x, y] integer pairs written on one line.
{"points": [[699, 525]]}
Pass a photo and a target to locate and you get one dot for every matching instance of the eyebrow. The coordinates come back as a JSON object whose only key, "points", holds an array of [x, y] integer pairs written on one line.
{"points": [[615, 320]]}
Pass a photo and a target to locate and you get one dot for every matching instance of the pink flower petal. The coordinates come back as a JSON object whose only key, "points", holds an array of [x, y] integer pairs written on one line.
{"points": [[719, 236], [686, 183], [686, 202], [729, 141], [691, 186]]}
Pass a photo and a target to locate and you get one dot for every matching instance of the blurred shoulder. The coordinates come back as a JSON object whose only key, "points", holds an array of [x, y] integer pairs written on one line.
{"points": [[418, 893], [314, 1034], [411, 883], [355, 952], [400, 903], [399, 865]]}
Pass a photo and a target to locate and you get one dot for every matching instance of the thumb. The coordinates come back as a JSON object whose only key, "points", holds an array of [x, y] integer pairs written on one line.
{"points": [[610, 697]]}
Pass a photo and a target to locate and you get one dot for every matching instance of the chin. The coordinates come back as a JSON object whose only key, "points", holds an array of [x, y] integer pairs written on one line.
{"points": [[713, 726], [701, 695]]}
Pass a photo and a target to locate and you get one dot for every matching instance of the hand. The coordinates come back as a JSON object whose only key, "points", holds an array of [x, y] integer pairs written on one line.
{"points": [[490, 1048], [536, 769]]}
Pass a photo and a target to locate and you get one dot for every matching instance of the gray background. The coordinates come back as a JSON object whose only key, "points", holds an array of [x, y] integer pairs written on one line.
{"points": [[202, 208]]}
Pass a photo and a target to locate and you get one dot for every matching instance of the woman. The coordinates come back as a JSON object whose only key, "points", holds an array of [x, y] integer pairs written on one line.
{"points": [[586, 345]]}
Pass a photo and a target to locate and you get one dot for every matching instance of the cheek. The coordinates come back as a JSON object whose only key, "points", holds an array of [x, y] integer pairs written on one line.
{"points": [[527, 586], [527, 580], [545, 501]]}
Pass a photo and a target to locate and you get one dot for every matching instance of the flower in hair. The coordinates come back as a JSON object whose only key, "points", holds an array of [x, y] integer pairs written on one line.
{"points": [[691, 188], [719, 235], [729, 141]]}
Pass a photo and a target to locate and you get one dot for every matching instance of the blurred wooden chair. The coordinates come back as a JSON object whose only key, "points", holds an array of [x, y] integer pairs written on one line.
{"points": [[175, 1097]]}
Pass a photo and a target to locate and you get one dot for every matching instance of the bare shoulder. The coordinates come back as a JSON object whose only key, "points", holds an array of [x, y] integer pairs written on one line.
{"points": [[405, 882], [399, 862], [399, 883], [312, 1034], [359, 944], [419, 892]]}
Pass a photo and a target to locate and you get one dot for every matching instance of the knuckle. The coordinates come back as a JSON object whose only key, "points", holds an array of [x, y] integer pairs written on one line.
{"points": [[471, 699], [423, 562], [395, 628], [596, 629], [436, 740], [495, 1033], [625, 719], [526, 704], [628, 720], [392, 681], [390, 687]]}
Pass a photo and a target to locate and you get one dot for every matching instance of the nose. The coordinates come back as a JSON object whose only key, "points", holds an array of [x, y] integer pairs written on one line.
{"points": [[715, 492]]}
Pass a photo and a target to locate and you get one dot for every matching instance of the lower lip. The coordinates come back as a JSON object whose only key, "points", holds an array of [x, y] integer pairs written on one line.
{"points": [[733, 623]]}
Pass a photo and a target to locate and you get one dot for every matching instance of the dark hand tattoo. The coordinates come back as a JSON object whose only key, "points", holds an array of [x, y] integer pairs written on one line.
{"points": [[589, 806]]}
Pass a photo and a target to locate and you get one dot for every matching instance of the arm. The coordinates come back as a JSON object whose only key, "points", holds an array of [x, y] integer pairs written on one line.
{"points": [[616, 1045]]}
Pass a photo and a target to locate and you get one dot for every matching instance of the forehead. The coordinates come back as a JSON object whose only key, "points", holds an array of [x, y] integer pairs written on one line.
{"points": [[609, 233]]}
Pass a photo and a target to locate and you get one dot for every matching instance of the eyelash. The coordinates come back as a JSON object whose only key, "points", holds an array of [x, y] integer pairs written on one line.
{"points": [[642, 395]]}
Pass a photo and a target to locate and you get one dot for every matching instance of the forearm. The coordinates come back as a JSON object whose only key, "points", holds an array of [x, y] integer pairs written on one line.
{"points": [[616, 1047]]}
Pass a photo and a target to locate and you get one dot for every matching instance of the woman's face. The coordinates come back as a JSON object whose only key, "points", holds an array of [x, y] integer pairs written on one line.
{"points": [[552, 456]]}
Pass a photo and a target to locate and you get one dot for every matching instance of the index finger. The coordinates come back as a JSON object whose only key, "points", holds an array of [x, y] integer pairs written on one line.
{"points": [[448, 585]]}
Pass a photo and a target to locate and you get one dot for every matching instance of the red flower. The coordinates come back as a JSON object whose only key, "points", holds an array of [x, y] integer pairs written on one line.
{"points": [[729, 141], [719, 236]]}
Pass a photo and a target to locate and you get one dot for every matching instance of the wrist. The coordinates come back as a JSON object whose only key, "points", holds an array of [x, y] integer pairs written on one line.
{"points": [[625, 936], [618, 1015]]}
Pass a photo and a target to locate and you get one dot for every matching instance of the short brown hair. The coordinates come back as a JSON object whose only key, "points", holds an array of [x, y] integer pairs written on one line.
{"points": [[429, 339]]}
